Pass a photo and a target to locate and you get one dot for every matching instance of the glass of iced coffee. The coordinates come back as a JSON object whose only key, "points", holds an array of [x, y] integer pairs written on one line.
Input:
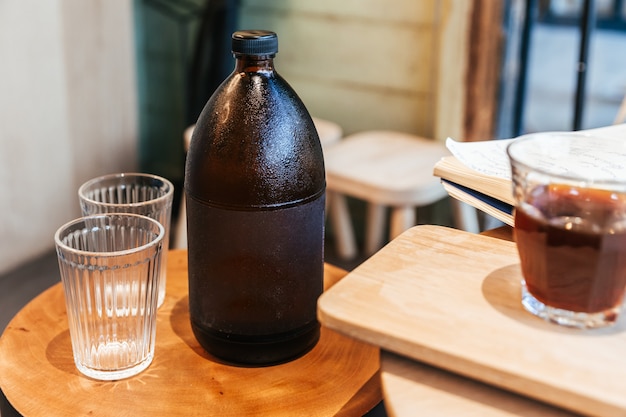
{"points": [[570, 225]]}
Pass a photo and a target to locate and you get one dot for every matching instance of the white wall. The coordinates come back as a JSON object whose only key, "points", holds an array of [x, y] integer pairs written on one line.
{"points": [[67, 112]]}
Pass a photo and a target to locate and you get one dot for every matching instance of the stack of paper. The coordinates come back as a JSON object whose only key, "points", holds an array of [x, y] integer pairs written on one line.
{"points": [[478, 174]]}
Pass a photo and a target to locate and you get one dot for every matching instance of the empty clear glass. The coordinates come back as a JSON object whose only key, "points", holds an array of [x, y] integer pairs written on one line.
{"points": [[137, 193], [110, 266]]}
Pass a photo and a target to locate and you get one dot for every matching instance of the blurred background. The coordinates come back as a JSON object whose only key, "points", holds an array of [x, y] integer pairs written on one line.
{"points": [[89, 87]]}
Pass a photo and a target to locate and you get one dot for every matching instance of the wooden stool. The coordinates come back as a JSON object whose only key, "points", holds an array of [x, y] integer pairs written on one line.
{"points": [[386, 169], [329, 133]]}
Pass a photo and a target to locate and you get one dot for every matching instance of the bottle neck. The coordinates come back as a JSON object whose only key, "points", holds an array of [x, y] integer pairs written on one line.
{"points": [[254, 63]]}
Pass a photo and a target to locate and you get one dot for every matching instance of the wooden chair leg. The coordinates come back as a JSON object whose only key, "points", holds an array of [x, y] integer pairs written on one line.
{"points": [[180, 231], [342, 225], [465, 216], [374, 228], [402, 218]]}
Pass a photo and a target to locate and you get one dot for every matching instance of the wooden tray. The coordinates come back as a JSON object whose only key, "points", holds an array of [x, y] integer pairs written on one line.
{"points": [[451, 299], [339, 377]]}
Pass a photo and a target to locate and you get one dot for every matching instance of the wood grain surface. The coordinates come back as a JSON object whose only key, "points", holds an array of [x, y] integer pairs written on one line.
{"points": [[409, 385], [451, 299], [37, 373]]}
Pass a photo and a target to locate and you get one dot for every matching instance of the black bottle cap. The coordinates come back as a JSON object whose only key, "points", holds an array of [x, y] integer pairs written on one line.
{"points": [[255, 42]]}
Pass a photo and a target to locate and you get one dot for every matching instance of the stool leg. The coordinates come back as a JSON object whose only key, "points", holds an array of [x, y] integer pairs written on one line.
{"points": [[402, 218], [374, 229], [180, 232], [342, 225], [465, 216]]}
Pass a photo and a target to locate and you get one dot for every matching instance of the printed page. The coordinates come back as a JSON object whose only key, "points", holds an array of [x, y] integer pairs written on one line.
{"points": [[597, 160], [487, 157], [600, 159]]}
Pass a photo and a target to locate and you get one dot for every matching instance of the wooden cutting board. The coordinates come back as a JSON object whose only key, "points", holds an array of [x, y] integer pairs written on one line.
{"points": [[451, 299]]}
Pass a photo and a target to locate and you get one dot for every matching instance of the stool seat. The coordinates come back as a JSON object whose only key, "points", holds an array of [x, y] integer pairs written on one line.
{"points": [[187, 134], [386, 169], [329, 132], [390, 168]]}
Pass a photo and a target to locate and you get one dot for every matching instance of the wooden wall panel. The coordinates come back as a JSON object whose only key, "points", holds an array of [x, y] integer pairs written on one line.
{"points": [[377, 57], [363, 64], [408, 11], [451, 69], [428, 67], [360, 109]]}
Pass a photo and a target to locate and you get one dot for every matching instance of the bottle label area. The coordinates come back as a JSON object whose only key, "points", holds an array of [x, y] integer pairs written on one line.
{"points": [[255, 273]]}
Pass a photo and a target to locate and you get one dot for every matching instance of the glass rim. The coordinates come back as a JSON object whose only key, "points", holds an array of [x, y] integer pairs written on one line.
{"points": [[169, 193], [567, 177], [59, 242]]}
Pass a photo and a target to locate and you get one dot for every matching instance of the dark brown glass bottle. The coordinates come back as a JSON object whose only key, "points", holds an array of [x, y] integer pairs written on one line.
{"points": [[255, 193]]}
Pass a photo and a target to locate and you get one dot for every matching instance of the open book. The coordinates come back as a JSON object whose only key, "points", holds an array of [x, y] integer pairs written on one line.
{"points": [[479, 174]]}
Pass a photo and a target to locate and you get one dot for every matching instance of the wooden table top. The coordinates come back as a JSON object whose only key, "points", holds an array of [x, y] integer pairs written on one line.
{"points": [[383, 302], [339, 377], [409, 385]]}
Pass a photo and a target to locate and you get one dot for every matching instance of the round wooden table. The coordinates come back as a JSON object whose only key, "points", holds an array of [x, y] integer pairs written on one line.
{"points": [[39, 378]]}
